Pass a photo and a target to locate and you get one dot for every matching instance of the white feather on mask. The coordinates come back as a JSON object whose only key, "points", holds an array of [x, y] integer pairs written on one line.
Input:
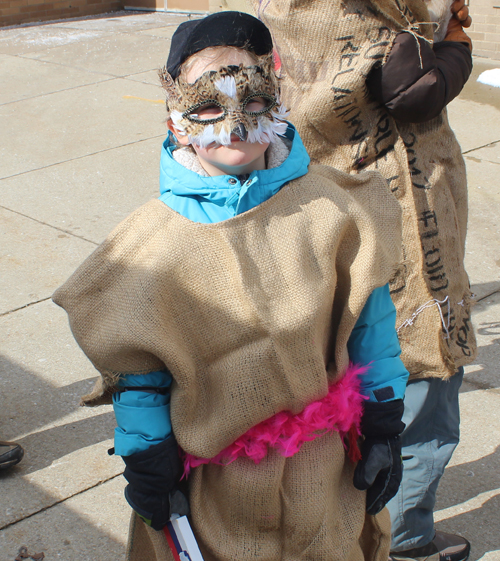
{"points": [[227, 85]]}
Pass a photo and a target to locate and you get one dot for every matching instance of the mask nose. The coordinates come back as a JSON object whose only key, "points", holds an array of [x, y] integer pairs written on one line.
{"points": [[240, 131]]}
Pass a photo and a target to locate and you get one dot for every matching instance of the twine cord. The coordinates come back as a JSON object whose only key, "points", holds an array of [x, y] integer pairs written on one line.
{"points": [[430, 304], [413, 31]]}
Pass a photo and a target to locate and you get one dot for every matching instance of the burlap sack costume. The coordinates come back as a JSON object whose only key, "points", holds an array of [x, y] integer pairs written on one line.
{"points": [[251, 316], [327, 48]]}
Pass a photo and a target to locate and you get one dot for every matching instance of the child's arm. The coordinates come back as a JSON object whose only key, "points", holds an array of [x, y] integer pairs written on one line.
{"points": [[142, 415], [145, 441], [418, 80], [374, 342]]}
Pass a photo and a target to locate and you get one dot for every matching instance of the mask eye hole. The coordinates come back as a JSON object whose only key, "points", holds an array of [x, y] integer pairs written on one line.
{"points": [[258, 104], [206, 112]]}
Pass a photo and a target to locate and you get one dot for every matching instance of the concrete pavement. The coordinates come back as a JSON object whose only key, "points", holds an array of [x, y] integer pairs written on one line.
{"points": [[81, 118]]}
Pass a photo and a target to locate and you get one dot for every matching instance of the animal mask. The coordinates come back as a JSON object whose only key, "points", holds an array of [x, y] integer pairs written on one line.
{"points": [[241, 100]]}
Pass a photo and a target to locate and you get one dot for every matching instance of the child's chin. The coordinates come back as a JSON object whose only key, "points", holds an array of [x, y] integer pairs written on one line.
{"points": [[234, 156], [232, 153]]}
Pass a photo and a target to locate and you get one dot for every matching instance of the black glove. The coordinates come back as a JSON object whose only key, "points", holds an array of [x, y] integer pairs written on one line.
{"points": [[380, 469], [154, 490]]}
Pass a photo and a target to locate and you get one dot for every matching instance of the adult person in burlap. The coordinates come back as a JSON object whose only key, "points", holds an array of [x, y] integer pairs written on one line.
{"points": [[224, 315], [367, 90]]}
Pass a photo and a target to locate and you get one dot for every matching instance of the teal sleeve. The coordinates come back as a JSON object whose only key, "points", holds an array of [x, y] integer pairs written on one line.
{"points": [[143, 418], [374, 343]]}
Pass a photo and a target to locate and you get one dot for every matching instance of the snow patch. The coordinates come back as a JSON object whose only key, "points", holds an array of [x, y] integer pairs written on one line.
{"points": [[490, 77]]}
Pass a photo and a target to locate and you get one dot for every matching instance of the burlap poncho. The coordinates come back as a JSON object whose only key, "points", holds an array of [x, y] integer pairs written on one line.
{"points": [[251, 316], [327, 48]]}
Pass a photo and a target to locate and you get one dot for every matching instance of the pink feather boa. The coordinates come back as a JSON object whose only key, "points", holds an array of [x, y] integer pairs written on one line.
{"points": [[340, 410]]}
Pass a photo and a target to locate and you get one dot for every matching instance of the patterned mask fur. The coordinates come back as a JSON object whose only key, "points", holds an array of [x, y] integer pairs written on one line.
{"points": [[241, 100]]}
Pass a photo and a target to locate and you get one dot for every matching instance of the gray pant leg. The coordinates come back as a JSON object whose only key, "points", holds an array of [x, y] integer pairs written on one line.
{"points": [[431, 435]]}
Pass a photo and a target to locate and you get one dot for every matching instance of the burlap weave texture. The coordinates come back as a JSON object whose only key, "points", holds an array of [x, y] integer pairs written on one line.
{"points": [[284, 509], [251, 315], [327, 49]]}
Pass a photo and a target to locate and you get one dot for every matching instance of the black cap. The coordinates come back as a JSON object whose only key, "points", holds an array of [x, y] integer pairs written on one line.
{"points": [[231, 29]]}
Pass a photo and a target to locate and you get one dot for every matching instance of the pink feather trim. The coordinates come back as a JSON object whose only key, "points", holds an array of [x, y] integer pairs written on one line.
{"points": [[340, 410]]}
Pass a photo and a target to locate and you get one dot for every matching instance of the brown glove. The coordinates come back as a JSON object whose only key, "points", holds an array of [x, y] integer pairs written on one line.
{"points": [[459, 20], [461, 12]]}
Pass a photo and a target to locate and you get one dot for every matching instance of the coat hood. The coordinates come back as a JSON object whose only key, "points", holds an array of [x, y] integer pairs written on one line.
{"points": [[211, 199]]}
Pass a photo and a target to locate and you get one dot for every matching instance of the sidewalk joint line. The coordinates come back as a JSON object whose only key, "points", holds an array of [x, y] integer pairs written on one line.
{"points": [[105, 33], [110, 78], [481, 385], [496, 291], [25, 306], [60, 501], [78, 68], [50, 225], [479, 147], [81, 157]]}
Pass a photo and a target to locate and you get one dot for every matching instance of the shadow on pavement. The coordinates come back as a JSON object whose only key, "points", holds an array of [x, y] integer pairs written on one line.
{"points": [[70, 531], [59, 439], [486, 376], [44, 447], [487, 288], [30, 402], [465, 482]]}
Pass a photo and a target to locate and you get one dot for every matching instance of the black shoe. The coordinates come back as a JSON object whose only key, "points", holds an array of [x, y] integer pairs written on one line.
{"points": [[10, 454], [444, 547]]}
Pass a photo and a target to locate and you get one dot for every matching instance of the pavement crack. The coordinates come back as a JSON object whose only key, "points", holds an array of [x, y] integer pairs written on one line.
{"points": [[479, 147], [108, 75], [81, 157], [69, 232], [481, 385], [109, 79], [43, 509], [25, 306], [496, 291]]}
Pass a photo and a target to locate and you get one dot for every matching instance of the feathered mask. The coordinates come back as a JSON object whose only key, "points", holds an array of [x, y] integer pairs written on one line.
{"points": [[240, 100]]}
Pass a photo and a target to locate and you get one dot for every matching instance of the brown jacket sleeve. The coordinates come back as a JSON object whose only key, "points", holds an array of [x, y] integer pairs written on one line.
{"points": [[417, 80]]}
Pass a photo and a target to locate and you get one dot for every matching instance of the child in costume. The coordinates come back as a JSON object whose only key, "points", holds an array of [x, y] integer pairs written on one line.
{"points": [[243, 326]]}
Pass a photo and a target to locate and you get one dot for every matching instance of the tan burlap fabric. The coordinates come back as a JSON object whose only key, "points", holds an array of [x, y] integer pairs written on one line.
{"points": [[252, 316], [304, 507], [327, 48]]}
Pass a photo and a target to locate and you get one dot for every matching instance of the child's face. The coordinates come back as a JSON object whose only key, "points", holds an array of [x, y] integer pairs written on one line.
{"points": [[237, 158], [240, 156]]}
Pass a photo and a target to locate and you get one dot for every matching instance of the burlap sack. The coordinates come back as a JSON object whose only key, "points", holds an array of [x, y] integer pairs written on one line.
{"points": [[327, 48], [304, 507], [240, 308], [252, 317]]}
